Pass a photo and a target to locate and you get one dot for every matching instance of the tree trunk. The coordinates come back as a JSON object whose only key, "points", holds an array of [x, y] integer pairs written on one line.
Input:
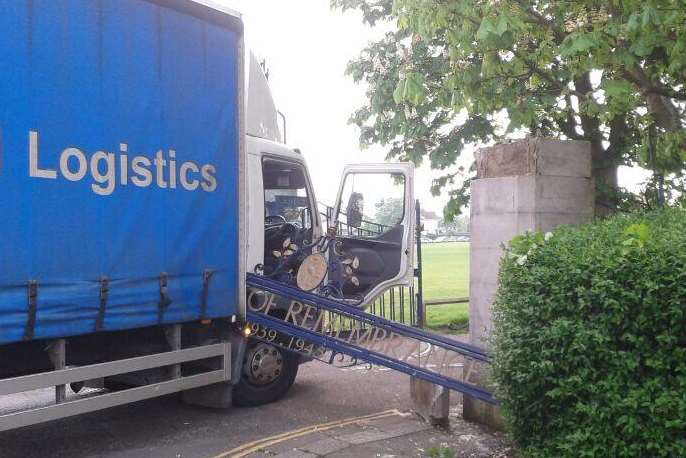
{"points": [[664, 112], [604, 172], [603, 165]]}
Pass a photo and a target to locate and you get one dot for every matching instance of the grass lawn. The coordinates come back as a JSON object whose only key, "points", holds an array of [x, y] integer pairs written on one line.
{"points": [[446, 275]]}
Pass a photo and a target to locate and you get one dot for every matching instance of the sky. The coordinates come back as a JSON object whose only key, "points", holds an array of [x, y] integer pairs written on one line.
{"points": [[306, 47]]}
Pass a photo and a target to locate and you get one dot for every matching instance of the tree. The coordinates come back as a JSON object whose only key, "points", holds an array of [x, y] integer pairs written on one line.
{"points": [[389, 211], [459, 224], [454, 73]]}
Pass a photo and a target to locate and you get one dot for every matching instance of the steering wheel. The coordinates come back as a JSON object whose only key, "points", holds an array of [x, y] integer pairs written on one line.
{"points": [[269, 220], [288, 230], [277, 233]]}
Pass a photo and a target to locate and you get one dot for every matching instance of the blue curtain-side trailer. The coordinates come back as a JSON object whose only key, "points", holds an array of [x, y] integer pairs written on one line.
{"points": [[122, 206]]}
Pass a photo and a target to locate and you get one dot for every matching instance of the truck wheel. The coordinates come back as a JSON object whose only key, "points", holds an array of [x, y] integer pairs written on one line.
{"points": [[268, 373]]}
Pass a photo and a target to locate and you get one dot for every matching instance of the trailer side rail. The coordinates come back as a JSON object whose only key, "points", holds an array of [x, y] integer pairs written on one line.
{"points": [[59, 378]]}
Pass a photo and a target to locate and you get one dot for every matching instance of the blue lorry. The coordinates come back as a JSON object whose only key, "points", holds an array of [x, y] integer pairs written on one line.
{"points": [[143, 172]]}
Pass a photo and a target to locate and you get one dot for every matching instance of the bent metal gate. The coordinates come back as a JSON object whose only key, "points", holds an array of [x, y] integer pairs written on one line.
{"points": [[337, 333]]}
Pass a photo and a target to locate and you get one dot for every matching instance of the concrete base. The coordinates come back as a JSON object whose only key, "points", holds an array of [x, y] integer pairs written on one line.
{"points": [[217, 396], [480, 412], [431, 402]]}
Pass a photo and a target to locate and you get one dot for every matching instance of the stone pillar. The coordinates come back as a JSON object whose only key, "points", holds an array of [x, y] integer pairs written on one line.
{"points": [[528, 185], [431, 402]]}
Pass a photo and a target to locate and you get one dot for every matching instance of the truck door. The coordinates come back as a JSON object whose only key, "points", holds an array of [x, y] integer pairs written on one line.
{"points": [[374, 219]]}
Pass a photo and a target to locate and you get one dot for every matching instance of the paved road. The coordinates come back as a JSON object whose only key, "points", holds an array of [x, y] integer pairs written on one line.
{"points": [[167, 428]]}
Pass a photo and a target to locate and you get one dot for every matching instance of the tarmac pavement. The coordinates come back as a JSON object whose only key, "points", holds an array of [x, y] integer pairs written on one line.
{"points": [[328, 412], [389, 434]]}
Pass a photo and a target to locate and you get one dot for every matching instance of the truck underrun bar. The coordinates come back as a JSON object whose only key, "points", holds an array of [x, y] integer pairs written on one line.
{"points": [[369, 355], [82, 404]]}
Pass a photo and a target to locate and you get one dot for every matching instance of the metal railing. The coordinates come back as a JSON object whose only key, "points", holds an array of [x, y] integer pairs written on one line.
{"points": [[447, 301], [367, 228]]}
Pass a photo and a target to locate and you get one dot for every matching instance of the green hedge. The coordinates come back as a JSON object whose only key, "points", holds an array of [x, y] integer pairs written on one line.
{"points": [[590, 338]]}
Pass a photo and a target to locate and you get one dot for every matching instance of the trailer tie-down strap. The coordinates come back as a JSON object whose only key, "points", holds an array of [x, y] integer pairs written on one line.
{"points": [[104, 291], [165, 300], [32, 300], [333, 331], [206, 276]]}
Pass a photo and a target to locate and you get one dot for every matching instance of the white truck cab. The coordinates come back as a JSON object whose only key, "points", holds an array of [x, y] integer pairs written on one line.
{"points": [[282, 203], [282, 216]]}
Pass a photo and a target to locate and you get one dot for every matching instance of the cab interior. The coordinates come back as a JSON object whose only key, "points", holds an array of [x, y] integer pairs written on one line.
{"points": [[288, 210]]}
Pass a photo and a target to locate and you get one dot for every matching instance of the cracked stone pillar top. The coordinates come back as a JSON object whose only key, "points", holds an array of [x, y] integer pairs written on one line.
{"points": [[535, 156]]}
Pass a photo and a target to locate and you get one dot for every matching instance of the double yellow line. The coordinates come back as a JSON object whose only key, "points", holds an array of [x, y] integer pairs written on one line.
{"points": [[252, 447]]}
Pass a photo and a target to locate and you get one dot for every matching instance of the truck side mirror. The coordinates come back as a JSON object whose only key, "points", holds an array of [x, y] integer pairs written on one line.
{"points": [[355, 209]]}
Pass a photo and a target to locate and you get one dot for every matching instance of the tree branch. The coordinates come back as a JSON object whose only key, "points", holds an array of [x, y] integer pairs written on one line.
{"points": [[619, 137], [562, 87], [541, 20], [590, 124], [568, 125], [637, 76]]}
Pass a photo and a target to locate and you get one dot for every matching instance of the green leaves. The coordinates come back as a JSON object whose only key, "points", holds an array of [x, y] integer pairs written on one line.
{"points": [[590, 342], [569, 70], [635, 237], [502, 24], [494, 32], [618, 88], [410, 90], [578, 43], [440, 452], [639, 232], [493, 26]]}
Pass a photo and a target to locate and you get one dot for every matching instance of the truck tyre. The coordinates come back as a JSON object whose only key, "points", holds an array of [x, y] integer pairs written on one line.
{"points": [[268, 373]]}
